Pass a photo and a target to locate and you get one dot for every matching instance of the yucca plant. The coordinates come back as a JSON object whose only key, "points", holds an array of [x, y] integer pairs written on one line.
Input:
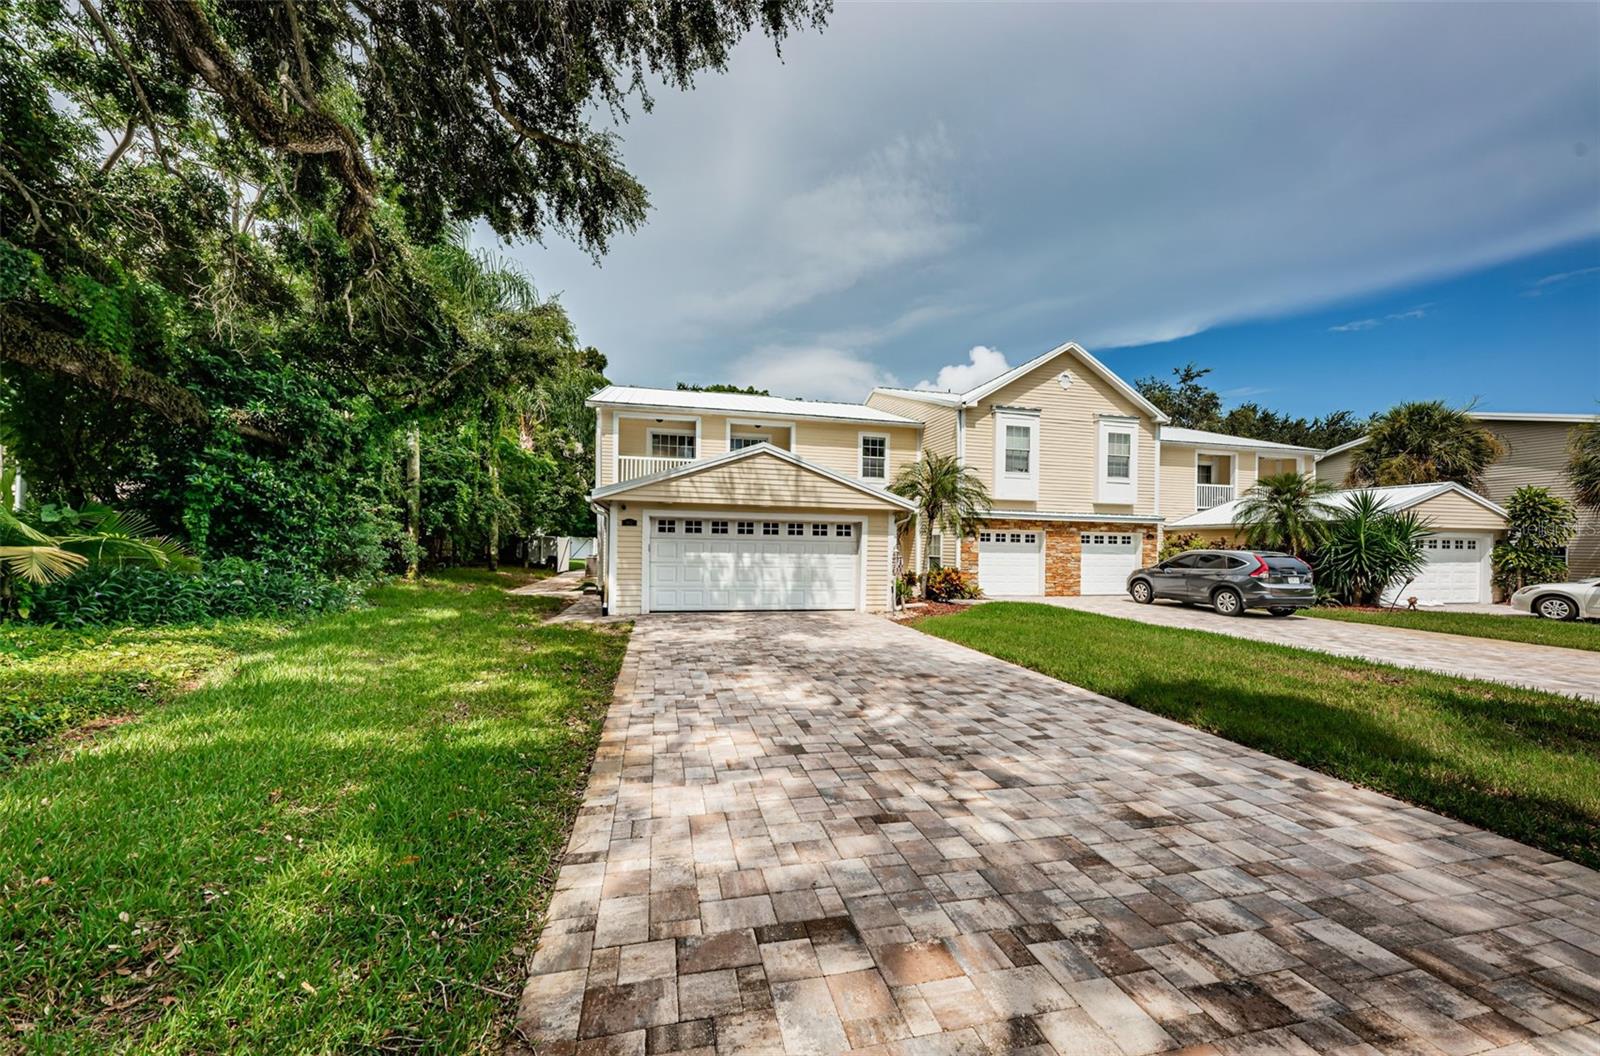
{"points": [[1369, 548], [95, 535]]}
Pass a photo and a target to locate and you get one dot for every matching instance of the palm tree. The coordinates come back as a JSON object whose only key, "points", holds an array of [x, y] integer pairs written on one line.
{"points": [[1286, 512], [1583, 465], [949, 496], [1423, 443]]}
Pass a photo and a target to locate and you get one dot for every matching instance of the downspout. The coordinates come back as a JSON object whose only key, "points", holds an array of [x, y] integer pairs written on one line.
{"points": [[604, 534]]}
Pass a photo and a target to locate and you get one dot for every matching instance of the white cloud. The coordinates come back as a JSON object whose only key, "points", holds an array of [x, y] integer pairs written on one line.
{"points": [[809, 372], [1539, 287], [982, 364], [1357, 325]]}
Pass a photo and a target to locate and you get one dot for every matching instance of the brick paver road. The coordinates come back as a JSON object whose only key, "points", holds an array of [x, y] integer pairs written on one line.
{"points": [[1574, 672], [819, 833]]}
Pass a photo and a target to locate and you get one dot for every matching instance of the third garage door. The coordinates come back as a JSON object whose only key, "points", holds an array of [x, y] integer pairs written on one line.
{"points": [[1455, 569], [1108, 558]]}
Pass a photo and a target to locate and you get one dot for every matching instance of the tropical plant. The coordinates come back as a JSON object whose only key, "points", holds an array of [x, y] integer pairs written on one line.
{"points": [[946, 584], [1423, 443], [1287, 511], [30, 557], [1368, 549], [950, 497], [1583, 465], [1538, 527]]}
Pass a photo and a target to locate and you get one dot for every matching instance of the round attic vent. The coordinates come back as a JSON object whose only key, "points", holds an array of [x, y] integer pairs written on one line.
{"points": [[1066, 379]]}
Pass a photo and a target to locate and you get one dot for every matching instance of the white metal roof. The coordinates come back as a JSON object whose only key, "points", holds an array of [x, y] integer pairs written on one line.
{"points": [[944, 396], [1171, 434], [742, 404], [1395, 498]]}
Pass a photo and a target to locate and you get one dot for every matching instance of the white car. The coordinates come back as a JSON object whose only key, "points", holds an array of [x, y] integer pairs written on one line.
{"points": [[1560, 601]]}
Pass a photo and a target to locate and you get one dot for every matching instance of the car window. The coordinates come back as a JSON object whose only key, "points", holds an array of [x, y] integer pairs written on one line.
{"points": [[1185, 561], [1208, 562], [1237, 562], [1292, 565]]}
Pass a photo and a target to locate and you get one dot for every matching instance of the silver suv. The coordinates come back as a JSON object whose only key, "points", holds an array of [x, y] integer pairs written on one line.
{"points": [[1230, 581]]}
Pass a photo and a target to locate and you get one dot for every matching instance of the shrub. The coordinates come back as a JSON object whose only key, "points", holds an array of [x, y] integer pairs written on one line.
{"points": [[1539, 527], [944, 584], [226, 588], [1368, 549]]}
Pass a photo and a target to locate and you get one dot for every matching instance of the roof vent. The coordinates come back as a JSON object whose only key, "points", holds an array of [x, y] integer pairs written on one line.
{"points": [[1065, 378]]}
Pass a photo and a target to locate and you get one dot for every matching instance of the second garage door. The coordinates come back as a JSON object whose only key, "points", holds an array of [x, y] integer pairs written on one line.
{"points": [[1108, 558], [701, 564], [1456, 569], [1010, 564]]}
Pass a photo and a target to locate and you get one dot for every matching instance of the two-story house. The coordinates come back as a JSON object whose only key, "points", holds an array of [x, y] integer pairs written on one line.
{"points": [[713, 501], [1535, 452], [1071, 456]]}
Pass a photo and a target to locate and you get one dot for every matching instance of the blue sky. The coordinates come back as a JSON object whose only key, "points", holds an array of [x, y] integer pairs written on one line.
{"points": [[1334, 206]]}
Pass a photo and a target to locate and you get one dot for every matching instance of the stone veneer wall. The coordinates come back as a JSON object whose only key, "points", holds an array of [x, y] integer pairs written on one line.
{"points": [[1063, 550]]}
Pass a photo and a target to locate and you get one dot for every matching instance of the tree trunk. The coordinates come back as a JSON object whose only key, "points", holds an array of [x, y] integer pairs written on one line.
{"points": [[413, 498], [494, 511]]}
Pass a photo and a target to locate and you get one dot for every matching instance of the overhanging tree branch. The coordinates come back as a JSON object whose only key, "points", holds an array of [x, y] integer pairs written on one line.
{"points": [[114, 42], [25, 343], [313, 132]]}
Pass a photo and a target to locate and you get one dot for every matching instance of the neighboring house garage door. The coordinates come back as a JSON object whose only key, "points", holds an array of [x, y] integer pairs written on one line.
{"points": [[700, 564], [1010, 563], [1108, 557], [1456, 570]]}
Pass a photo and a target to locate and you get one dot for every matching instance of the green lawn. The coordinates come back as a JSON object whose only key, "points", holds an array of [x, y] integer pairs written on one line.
{"points": [[1518, 762], [334, 843], [1577, 635]]}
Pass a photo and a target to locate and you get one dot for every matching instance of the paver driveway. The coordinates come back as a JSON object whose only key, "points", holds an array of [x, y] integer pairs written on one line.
{"points": [[1575, 672], [807, 834]]}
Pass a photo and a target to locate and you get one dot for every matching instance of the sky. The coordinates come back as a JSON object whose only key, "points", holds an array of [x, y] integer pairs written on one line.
{"points": [[1332, 206]]}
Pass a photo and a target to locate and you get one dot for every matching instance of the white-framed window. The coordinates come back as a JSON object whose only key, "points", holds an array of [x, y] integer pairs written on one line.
{"points": [[719, 527], [874, 456], [1118, 475], [1016, 455], [667, 527], [936, 551], [665, 444], [747, 527], [692, 527], [740, 441], [769, 527], [796, 528], [843, 531], [819, 529]]}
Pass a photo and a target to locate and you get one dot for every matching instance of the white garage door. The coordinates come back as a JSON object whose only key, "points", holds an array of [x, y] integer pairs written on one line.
{"points": [[1108, 557], [700, 564], [1010, 563], [1457, 570]]}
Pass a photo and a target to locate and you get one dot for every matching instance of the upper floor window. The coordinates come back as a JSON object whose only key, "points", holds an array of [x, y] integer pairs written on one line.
{"points": [[740, 441], [1118, 477], [874, 457], [671, 445], [1119, 455], [1019, 448], [1016, 456]]}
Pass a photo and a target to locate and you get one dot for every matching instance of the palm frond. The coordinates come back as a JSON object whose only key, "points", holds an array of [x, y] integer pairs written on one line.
{"points": [[40, 564]]}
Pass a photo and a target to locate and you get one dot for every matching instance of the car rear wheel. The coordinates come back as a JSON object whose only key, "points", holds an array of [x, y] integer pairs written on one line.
{"points": [[1228, 601], [1555, 607], [1282, 610], [1141, 592]]}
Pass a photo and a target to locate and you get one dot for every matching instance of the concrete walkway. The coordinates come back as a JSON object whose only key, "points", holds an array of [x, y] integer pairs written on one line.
{"points": [[827, 833], [1575, 672]]}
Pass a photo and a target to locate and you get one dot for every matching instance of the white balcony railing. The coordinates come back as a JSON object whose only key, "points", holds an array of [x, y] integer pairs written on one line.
{"points": [[1209, 495], [632, 467]]}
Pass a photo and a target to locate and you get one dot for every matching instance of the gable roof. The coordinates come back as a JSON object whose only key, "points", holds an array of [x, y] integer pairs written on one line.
{"points": [[753, 451], [1172, 434], [972, 396], [1394, 499], [744, 404]]}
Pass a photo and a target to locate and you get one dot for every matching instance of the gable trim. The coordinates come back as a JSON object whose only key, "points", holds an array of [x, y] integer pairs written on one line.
{"points": [[610, 490], [1106, 374]]}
